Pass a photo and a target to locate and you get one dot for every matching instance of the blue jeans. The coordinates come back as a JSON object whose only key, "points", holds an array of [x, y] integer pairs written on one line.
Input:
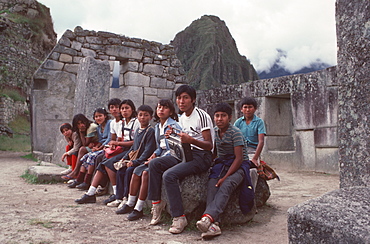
{"points": [[172, 172]]}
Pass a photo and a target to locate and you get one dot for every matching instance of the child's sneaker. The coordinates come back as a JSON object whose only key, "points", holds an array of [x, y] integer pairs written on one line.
{"points": [[101, 191], [157, 212], [178, 225], [213, 230], [123, 202], [204, 223], [115, 203]]}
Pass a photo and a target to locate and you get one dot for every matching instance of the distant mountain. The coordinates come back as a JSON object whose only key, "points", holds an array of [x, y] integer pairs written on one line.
{"points": [[278, 70], [209, 55]]}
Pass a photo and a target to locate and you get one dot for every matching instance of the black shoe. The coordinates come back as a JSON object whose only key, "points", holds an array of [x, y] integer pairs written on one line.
{"points": [[110, 199], [86, 199], [74, 184], [125, 209], [134, 215], [83, 186]]}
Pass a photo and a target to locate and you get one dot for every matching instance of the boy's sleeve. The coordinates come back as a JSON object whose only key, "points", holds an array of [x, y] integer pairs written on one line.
{"points": [[149, 147], [261, 127]]}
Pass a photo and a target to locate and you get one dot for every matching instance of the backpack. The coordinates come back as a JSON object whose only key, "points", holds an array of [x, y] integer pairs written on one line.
{"points": [[266, 172]]}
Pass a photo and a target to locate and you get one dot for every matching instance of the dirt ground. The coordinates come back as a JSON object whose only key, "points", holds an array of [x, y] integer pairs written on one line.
{"points": [[48, 214]]}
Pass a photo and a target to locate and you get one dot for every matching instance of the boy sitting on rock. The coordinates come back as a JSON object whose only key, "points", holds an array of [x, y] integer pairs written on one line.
{"points": [[230, 170]]}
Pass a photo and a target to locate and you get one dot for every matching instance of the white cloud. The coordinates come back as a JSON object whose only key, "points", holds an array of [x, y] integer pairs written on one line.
{"points": [[305, 30]]}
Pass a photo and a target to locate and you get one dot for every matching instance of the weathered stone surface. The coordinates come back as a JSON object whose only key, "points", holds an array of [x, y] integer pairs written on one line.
{"points": [[341, 216], [327, 160], [194, 197], [92, 88], [124, 52], [153, 69], [46, 173], [354, 88], [136, 79]]}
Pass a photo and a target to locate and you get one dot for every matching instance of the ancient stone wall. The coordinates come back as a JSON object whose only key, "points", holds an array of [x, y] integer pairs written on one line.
{"points": [[9, 109], [147, 71], [300, 114]]}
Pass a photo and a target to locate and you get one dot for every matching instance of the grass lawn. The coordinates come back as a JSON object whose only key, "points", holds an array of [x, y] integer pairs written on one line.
{"points": [[21, 141]]}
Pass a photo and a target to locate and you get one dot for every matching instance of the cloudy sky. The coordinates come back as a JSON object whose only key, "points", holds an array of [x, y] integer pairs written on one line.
{"points": [[304, 29]]}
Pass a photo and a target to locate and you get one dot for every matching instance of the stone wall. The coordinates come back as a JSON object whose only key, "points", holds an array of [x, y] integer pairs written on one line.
{"points": [[9, 109], [300, 114], [148, 71]]}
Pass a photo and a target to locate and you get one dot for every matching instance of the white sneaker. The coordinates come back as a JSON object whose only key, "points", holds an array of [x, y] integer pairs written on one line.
{"points": [[178, 225], [66, 171], [157, 212], [115, 203], [123, 202], [203, 224], [213, 230], [70, 181]]}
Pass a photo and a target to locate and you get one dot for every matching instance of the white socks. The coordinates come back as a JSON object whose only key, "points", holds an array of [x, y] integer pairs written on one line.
{"points": [[131, 200], [139, 205], [91, 191], [114, 189]]}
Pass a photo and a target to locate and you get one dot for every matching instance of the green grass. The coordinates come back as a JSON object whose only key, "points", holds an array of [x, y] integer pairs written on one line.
{"points": [[21, 141], [30, 157]]}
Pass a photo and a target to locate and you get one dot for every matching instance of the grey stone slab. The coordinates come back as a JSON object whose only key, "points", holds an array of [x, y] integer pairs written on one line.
{"points": [[340, 216], [47, 173]]}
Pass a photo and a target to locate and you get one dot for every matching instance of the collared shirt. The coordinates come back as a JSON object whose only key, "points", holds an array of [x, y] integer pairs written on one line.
{"points": [[251, 131]]}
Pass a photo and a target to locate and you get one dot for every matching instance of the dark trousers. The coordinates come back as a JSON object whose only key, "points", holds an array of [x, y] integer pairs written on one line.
{"points": [[123, 180], [169, 170]]}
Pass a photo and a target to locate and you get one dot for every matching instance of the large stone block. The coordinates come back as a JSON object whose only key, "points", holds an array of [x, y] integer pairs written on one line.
{"points": [[194, 196], [341, 216], [92, 89], [153, 69], [136, 79], [124, 52], [136, 94], [327, 160], [306, 148], [326, 137]]}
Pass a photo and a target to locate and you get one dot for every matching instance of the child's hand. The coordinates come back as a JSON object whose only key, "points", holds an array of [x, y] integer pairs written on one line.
{"points": [[151, 157], [130, 164], [168, 131], [219, 182], [64, 156], [185, 138]]}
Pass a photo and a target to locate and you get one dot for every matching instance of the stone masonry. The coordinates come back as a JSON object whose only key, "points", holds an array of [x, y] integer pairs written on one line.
{"points": [[343, 216], [148, 71]]}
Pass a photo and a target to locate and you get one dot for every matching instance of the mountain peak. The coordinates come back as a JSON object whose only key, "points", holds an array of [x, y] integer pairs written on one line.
{"points": [[209, 55]]}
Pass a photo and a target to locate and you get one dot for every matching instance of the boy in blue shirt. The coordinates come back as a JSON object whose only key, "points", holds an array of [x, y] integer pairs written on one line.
{"points": [[253, 129]]}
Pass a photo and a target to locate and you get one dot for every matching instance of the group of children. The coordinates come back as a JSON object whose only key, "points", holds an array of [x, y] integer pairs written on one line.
{"points": [[142, 159]]}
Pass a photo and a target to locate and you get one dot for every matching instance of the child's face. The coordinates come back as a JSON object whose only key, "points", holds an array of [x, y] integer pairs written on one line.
{"points": [[114, 110], [248, 110], [126, 111], [81, 126], [163, 112], [99, 118], [184, 102], [67, 132], [144, 118], [222, 120]]}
